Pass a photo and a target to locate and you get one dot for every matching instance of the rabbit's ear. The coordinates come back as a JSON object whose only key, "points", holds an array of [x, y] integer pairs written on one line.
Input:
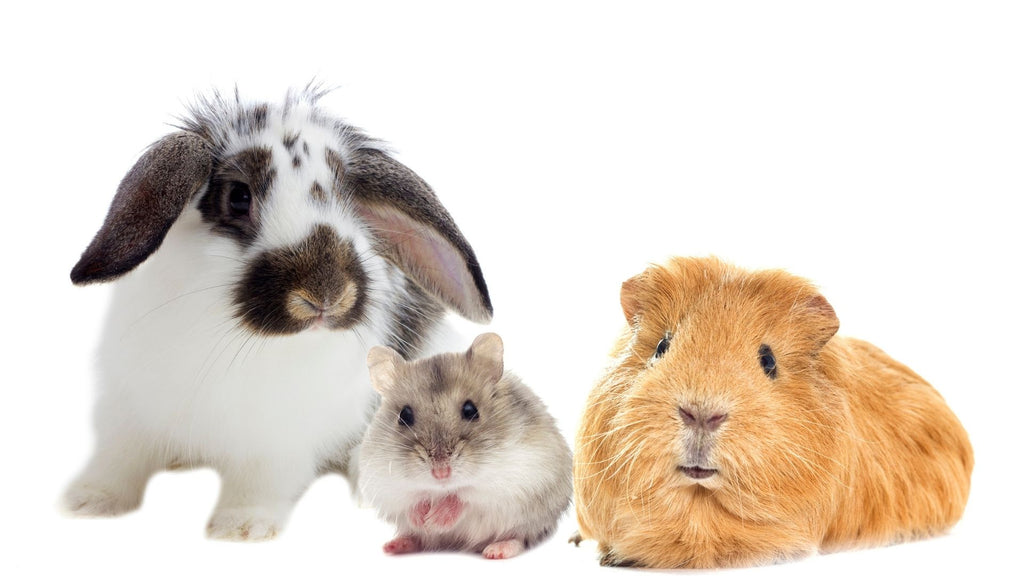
{"points": [[150, 198], [418, 234]]}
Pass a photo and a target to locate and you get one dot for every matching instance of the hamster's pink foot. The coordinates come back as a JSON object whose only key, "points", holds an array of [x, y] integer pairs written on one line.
{"points": [[447, 511], [418, 514], [402, 545], [503, 549]]}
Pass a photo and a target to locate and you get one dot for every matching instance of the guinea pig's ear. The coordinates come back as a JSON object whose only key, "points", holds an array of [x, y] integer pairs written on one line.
{"points": [[631, 297], [487, 354], [419, 235], [823, 319], [383, 363], [150, 198]]}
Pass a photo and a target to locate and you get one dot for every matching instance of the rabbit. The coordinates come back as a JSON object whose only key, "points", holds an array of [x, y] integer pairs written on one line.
{"points": [[734, 428], [260, 251], [462, 455]]}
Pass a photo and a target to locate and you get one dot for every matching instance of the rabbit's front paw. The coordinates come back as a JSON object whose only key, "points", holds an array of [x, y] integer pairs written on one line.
{"points": [[87, 500], [243, 524]]}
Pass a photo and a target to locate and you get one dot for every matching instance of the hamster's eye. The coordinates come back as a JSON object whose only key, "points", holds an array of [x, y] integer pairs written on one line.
{"points": [[239, 200], [405, 416], [662, 347], [469, 412], [767, 359]]}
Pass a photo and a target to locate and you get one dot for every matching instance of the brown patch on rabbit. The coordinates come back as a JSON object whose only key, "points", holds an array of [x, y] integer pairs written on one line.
{"points": [[734, 429]]}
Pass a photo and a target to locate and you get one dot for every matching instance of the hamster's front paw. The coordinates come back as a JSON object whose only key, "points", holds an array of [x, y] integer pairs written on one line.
{"points": [[503, 549], [418, 513], [445, 512], [87, 500], [243, 524]]}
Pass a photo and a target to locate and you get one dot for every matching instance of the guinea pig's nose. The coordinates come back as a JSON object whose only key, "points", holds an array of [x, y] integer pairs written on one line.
{"points": [[700, 419]]}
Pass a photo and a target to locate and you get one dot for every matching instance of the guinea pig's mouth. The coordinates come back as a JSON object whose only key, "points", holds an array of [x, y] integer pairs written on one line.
{"points": [[698, 473]]}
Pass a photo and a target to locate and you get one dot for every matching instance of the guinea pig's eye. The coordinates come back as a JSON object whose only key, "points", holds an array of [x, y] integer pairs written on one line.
{"points": [[239, 200], [469, 412], [767, 359], [405, 416], [662, 347]]}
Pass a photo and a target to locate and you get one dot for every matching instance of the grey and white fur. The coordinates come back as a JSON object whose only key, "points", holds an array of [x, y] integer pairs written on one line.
{"points": [[461, 455], [260, 251]]}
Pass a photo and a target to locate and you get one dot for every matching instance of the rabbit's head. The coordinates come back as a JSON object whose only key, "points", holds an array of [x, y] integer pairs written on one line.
{"points": [[311, 216]]}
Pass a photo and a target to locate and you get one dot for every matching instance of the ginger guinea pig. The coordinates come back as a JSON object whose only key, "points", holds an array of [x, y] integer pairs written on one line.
{"points": [[734, 429]]}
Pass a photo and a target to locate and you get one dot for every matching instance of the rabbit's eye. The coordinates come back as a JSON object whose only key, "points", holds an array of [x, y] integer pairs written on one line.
{"points": [[469, 411], [405, 417], [239, 200], [767, 359]]}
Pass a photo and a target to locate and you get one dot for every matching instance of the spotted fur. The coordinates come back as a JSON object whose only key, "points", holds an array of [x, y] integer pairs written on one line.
{"points": [[253, 279]]}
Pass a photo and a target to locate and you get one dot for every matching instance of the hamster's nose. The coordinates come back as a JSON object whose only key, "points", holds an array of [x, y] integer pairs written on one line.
{"points": [[701, 419]]}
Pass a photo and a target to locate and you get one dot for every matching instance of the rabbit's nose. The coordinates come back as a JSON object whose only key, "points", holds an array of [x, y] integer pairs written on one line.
{"points": [[701, 419]]}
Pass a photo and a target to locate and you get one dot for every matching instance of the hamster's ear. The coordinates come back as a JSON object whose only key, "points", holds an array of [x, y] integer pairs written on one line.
{"points": [[383, 363], [631, 296], [150, 198], [418, 234], [822, 319], [487, 353]]}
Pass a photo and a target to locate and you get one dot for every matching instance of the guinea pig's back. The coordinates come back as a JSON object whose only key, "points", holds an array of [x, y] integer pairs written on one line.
{"points": [[910, 458]]}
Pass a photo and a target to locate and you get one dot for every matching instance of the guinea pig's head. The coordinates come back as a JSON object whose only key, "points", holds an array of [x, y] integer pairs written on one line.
{"points": [[725, 399], [441, 418], [304, 210]]}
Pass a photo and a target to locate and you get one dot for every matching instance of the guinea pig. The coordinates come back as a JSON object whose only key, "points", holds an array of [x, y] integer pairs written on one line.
{"points": [[461, 455], [260, 251], [734, 429]]}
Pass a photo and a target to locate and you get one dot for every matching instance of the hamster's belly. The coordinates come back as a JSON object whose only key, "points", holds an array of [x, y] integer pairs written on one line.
{"points": [[481, 523]]}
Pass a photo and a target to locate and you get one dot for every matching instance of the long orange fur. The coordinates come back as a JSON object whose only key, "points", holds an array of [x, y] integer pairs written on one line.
{"points": [[844, 448]]}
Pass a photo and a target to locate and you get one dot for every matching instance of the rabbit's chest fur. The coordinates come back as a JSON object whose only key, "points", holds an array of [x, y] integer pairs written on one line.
{"points": [[177, 365]]}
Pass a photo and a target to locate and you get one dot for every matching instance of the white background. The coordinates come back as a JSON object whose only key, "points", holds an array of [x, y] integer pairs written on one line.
{"points": [[875, 148]]}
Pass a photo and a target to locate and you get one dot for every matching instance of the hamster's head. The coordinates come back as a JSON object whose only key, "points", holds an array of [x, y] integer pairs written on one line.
{"points": [[441, 419], [725, 399]]}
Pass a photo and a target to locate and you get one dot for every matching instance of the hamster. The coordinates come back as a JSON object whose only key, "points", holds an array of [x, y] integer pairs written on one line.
{"points": [[735, 429], [461, 455]]}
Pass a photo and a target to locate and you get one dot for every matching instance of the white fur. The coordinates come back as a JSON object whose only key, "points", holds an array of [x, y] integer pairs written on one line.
{"points": [[494, 501], [182, 383], [499, 495]]}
